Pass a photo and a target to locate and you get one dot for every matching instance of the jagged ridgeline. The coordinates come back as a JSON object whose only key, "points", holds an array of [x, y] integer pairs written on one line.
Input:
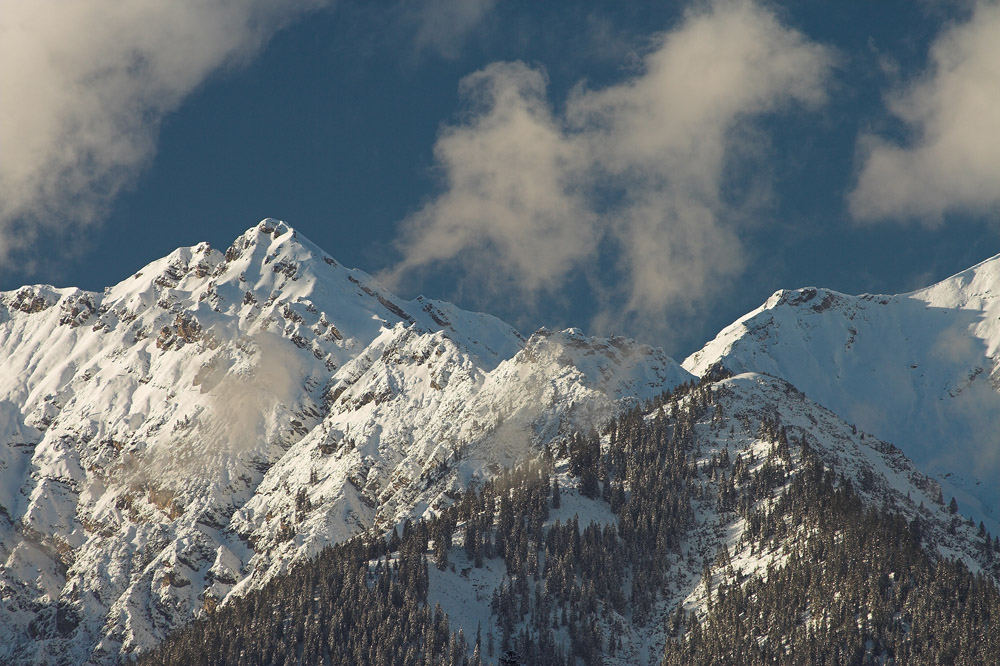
{"points": [[185, 435], [708, 526]]}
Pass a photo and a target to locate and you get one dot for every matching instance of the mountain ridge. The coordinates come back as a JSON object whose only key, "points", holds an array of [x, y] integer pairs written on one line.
{"points": [[154, 434], [710, 493], [920, 369], [219, 417]]}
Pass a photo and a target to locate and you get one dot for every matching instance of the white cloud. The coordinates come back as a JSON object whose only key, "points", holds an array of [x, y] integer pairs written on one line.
{"points": [[952, 163], [85, 85], [531, 195], [511, 174]]}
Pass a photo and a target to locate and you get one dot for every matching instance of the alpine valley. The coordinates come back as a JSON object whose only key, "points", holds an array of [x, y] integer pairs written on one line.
{"points": [[258, 455]]}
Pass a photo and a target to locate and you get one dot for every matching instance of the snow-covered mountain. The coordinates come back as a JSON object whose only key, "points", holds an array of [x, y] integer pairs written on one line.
{"points": [[196, 428], [921, 370], [193, 431], [735, 521], [734, 427]]}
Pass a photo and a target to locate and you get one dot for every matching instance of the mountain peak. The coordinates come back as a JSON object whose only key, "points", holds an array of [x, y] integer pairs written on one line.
{"points": [[270, 239], [920, 369], [272, 226], [816, 299], [269, 228], [975, 287], [171, 418]]}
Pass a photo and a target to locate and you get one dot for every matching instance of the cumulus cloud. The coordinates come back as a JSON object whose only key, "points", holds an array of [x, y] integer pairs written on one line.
{"points": [[85, 85], [512, 177], [952, 163], [636, 169]]}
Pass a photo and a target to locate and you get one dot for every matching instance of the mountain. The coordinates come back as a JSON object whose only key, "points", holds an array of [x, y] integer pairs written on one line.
{"points": [[921, 370], [260, 455], [194, 430], [735, 521]]}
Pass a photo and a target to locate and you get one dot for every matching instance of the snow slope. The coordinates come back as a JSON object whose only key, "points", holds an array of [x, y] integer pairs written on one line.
{"points": [[196, 428], [879, 472], [920, 370]]}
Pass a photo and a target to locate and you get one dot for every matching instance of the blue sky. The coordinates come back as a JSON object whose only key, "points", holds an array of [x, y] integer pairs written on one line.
{"points": [[654, 169]]}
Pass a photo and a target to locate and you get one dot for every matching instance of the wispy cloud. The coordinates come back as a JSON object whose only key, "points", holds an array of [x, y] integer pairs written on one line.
{"points": [[443, 26], [951, 163], [85, 86], [251, 391], [531, 195]]}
